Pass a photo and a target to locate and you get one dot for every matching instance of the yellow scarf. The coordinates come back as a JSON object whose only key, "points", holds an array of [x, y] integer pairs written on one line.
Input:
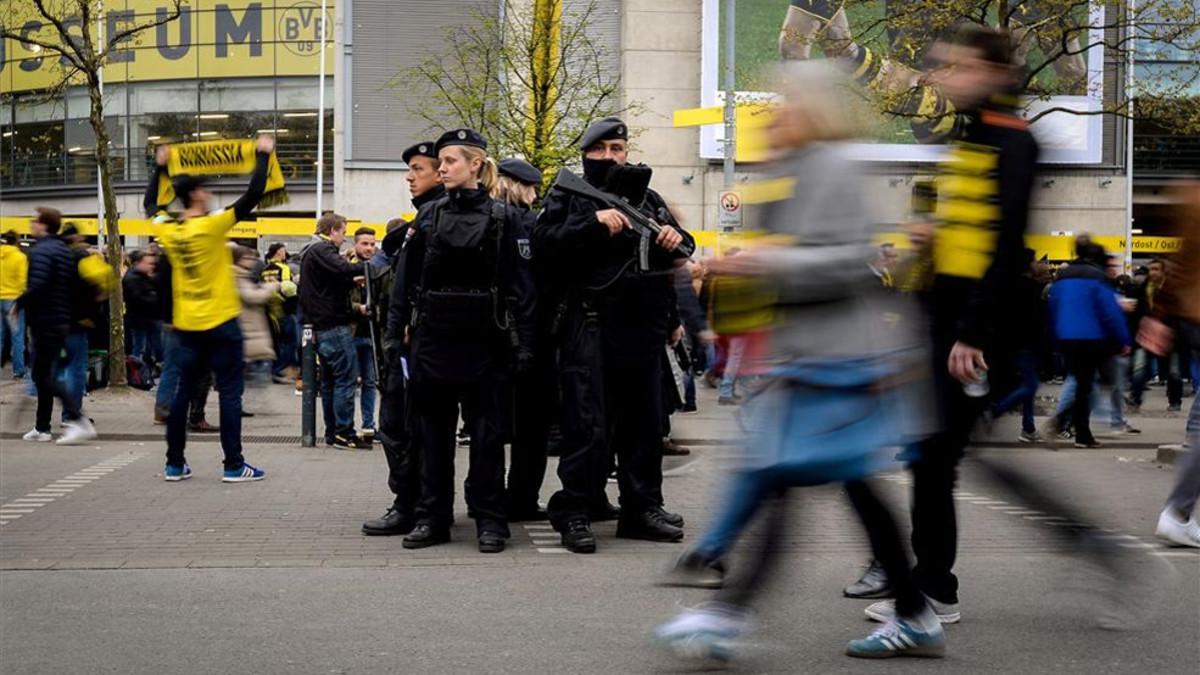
{"points": [[225, 157]]}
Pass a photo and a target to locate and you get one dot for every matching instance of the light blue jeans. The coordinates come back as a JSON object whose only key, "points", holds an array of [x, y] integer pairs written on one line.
{"points": [[14, 331], [366, 370], [733, 363], [1112, 406]]}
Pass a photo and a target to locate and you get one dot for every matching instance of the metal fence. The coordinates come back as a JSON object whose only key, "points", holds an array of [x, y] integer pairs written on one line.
{"points": [[1166, 155], [298, 161]]}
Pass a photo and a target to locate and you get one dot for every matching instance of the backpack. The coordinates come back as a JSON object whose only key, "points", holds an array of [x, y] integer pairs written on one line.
{"points": [[138, 374]]}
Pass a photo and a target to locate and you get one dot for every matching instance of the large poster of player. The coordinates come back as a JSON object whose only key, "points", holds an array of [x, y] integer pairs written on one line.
{"points": [[883, 45]]}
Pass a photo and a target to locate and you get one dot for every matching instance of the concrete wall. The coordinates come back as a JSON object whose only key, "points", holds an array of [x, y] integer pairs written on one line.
{"points": [[372, 195]]}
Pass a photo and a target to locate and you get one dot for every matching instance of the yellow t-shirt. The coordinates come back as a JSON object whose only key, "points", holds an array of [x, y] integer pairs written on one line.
{"points": [[202, 285], [14, 268]]}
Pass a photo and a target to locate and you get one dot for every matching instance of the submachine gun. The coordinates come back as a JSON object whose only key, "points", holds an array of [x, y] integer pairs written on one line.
{"points": [[642, 225]]}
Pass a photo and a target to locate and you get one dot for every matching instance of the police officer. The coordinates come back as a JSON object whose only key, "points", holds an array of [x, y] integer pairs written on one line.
{"points": [[465, 283], [611, 324], [535, 391], [395, 432]]}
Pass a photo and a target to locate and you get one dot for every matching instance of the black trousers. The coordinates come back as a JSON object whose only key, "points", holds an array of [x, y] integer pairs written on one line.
{"points": [[535, 398], [48, 343], [436, 412], [611, 399], [881, 530], [404, 462], [1084, 358]]}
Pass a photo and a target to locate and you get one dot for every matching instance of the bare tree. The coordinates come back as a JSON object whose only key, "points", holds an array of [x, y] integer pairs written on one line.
{"points": [[530, 80], [81, 54]]}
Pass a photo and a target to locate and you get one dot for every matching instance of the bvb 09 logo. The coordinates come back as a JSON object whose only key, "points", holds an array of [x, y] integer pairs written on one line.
{"points": [[300, 26]]}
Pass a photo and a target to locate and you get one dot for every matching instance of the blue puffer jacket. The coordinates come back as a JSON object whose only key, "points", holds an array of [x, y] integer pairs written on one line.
{"points": [[52, 275], [1083, 306]]}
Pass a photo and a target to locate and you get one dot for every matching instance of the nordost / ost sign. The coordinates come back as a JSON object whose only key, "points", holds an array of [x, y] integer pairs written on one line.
{"points": [[230, 38]]}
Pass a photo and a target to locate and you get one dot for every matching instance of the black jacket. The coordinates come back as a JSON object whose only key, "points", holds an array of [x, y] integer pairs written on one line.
{"points": [[326, 280], [580, 259], [53, 273], [984, 255], [141, 297]]}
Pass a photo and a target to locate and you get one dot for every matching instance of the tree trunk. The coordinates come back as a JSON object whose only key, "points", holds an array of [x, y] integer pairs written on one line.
{"points": [[113, 249]]}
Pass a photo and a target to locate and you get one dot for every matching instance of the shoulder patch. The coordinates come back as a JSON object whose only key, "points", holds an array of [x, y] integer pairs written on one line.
{"points": [[524, 249]]}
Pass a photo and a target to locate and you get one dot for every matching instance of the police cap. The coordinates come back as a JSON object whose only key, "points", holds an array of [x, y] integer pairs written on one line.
{"points": [[422, 149], [607, 129], [460, 137], [521, 170]]}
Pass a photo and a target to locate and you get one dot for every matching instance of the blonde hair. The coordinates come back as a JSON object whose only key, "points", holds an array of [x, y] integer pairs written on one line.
{"points": [[513, 191], [488, 171]]}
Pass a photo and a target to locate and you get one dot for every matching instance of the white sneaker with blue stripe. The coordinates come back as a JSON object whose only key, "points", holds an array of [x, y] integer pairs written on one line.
{"points": [[176, 473], [243, 475], [707, 632], [900, 637]]}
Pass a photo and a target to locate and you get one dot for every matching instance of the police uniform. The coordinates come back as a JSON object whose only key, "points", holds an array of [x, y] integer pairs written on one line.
{"points": [[535, 392], [464, 286], [395, 430], [612, 322]]}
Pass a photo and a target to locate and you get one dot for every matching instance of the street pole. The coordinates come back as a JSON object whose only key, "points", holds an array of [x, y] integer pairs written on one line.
{"points": [[730, 95], [321, 117], [100, 234], [308, 375], [1129, 137]]}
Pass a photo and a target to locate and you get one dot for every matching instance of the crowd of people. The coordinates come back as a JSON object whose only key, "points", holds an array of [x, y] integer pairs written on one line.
{"points": [[578, 323]]}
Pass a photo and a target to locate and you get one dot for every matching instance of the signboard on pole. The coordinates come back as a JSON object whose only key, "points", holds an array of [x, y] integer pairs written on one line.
{"points": [[730, 217]]}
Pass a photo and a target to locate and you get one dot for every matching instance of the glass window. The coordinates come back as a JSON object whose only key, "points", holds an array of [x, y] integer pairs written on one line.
{"points": [[300, 93], [223, 96], [38, 108], [79, 104], [162, 97]]}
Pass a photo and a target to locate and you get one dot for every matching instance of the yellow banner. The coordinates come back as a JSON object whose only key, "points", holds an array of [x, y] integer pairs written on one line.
{"points": [[210, 39]]}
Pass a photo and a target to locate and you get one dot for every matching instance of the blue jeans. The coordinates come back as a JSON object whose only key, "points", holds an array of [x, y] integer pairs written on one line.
{"points": [[1024, 393], [335, 347], [147, 341], [168, 379], [733, 362], [366, 370], [14, 332], [219, 349], [1112, 406], [286, 345], [73, 368]]}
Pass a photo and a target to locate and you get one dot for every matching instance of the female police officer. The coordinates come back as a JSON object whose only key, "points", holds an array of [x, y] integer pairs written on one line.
{"points": [[464, 282]]}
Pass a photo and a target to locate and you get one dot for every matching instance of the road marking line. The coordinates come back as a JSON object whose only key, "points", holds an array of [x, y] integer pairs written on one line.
{"points": [[1138, 544], [64, 486], [1177, 554], [1045, 518], [990, 502], [552, 550], [546, 526]]}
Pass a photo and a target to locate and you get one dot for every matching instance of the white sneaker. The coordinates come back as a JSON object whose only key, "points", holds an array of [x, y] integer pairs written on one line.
{"points": [[37, 436], [709, 631], [1176, 531], [78, 431], [885, 610]]}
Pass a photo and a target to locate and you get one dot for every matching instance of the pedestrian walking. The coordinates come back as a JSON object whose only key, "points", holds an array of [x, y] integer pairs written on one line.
{"points": [[14, 271], [47, 303]]}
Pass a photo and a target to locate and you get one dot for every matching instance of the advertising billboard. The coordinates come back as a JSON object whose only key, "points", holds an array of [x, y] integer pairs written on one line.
{"points": [[883, 45]]}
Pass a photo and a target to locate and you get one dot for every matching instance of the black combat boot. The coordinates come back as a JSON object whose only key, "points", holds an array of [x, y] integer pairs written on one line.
{"points": [[577, 536], [648, 525], [391, 523], [425, 535]]}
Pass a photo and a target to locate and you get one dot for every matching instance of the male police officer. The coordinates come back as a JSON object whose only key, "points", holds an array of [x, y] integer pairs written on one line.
{"points": [[404, 475], [612, 323]]}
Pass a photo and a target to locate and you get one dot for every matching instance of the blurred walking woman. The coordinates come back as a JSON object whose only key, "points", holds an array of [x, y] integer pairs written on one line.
{"points": [[466, 284], [839, 366]]}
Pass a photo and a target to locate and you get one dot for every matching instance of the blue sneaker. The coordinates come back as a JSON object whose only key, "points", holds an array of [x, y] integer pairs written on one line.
{"points": [[244, 474], [900, 637], [707, 632], [177, 473]]}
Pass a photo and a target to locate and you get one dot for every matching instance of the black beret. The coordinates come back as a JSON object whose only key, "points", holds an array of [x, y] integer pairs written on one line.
{"points": [[607, 129], [520, 170], [422, 149], [460, 137]]}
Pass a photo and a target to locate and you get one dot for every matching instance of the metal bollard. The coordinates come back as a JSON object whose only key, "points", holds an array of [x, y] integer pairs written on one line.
{"points": [[308, 373]]}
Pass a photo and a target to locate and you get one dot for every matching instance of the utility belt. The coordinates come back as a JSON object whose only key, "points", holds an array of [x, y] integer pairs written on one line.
{"points": [[465, 311]]}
